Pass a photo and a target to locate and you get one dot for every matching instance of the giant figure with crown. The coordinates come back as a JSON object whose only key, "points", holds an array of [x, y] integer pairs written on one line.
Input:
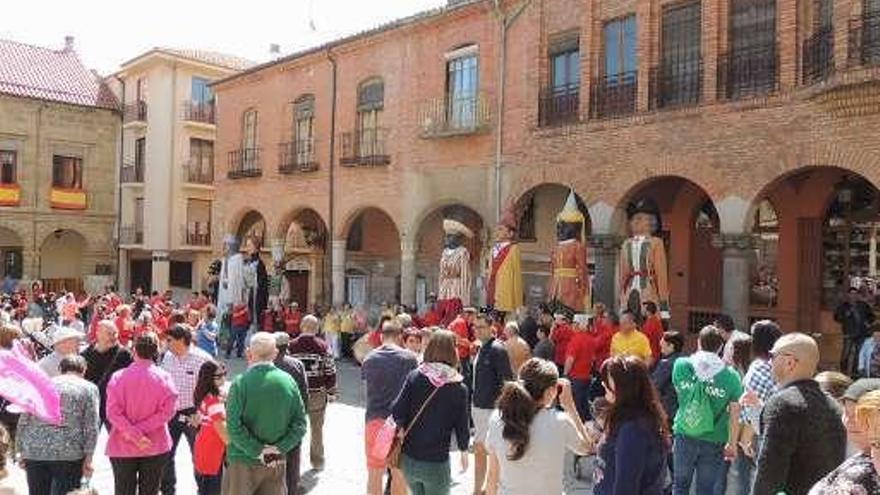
{"points": [[570, 279]]}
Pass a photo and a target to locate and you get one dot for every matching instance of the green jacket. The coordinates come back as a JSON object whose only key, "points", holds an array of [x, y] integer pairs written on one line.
{"points": [[263, 408]]}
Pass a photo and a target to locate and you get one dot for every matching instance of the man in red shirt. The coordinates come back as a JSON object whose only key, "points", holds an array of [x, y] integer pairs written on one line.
{"points": [[560, 335], [463, 328], [653, 328], [604, 327], [579, 361]]}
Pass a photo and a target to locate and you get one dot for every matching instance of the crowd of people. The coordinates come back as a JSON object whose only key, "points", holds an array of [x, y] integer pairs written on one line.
{"points": [[617, 400]]}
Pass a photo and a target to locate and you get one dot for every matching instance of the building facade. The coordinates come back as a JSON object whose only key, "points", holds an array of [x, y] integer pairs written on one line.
{"points": [[750, 123], [167, 170], [59, 129]]}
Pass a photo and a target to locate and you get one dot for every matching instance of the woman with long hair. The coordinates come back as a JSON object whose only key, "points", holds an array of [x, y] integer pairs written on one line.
{"points": [[527, 438], [432, 403], [632, 455], [210, 446]]}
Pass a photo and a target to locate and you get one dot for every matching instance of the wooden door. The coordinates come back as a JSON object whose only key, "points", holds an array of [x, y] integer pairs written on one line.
{"points": [[706, 270], [299, 287], [809, 273]]}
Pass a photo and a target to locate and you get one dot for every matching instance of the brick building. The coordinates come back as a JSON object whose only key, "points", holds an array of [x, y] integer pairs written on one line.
{"points": [[59, 129], [751, 123]]}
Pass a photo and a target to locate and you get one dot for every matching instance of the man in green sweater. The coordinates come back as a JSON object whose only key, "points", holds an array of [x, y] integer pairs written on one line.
{"points": [[265, 418]]}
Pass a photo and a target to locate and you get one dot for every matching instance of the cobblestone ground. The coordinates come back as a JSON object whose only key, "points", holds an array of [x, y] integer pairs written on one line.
{"points": [[345, 471]]}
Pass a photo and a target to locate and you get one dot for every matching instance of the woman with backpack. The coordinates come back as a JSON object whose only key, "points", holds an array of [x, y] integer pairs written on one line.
{"points": [[432, 403], [632, 455], [210, 447]]}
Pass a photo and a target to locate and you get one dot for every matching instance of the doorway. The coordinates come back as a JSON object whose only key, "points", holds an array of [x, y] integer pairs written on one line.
{"points": [[141, 275], [298, 281]]}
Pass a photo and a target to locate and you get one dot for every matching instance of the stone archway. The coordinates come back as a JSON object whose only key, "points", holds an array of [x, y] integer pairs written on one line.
{"points": [[689, 224], [300, 243], [536, 211], [61, 261], [428, 246], [827, 225], [367, 262]]}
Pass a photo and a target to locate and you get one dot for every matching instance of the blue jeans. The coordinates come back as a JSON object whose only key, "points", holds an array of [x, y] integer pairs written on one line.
{"points": [[580, 389], [692, 455], [236, 340], [745, 472]]}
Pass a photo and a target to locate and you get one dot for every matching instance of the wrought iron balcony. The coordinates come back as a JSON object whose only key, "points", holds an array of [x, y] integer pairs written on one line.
{"points": [[614, 95], [134, 112], [677, 85], [131, 235], [196, 234], [297, 156], [818, 56], [132, 172], [454, 116], [864, 39], [196, 172], [199, 112], [364, 147], [559, 105], [244, 162], [748, 72]]}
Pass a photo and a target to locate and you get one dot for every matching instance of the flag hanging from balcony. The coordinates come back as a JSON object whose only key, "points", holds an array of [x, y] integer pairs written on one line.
{"points": [[68, 199], [10, 195]]}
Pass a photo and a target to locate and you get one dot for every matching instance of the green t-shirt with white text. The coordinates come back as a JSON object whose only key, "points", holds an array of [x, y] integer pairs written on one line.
{"points": [[724, 388]]}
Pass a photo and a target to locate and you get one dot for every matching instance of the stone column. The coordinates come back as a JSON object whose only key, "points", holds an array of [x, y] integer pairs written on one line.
{"points": [[407, 273], [605, 249], [337, 262], [736, 280], [161, 276]]}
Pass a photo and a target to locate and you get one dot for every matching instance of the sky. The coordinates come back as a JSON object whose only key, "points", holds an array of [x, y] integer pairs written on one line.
{"points": [[107, 34]]}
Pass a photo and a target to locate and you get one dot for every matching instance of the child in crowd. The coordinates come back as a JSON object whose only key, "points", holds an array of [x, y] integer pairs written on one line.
{"points": [[207, 332], [544, 347]]}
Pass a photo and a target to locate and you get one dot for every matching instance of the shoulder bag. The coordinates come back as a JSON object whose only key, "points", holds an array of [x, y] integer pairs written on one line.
{"points": [[393, 459]]}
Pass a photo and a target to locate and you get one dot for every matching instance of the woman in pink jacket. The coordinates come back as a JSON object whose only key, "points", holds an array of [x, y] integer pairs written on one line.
{"points": [[140, 403]]}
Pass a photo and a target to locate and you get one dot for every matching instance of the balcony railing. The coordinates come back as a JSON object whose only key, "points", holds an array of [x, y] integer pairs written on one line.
{"points": [[864, 39], [196, 172], [614, 95], [454, 116], [132, 172], [364, 147], [748, 72], [243, 163], [676, 85], [131, 235], [199, 111], [196, 234], [135, 112], [818, 56], [297, 156], [559, 105]]}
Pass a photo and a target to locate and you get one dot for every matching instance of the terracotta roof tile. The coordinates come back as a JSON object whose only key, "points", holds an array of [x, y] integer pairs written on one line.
{"points": [[56, 75]]}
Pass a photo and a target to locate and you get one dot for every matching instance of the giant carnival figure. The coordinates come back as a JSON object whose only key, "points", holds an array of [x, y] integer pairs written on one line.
{"points": [[504, 289], [454, 279], [643, 269], [570, 289], [256, 281], [231, 278]]}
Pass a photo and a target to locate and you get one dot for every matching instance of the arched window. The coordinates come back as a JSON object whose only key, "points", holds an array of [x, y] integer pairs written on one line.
{"points": [[304, 129], [371, 102], [249, 140]]}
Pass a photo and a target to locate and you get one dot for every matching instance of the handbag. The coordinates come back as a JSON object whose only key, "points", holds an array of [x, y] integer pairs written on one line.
{"points": [[393, 459]]}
